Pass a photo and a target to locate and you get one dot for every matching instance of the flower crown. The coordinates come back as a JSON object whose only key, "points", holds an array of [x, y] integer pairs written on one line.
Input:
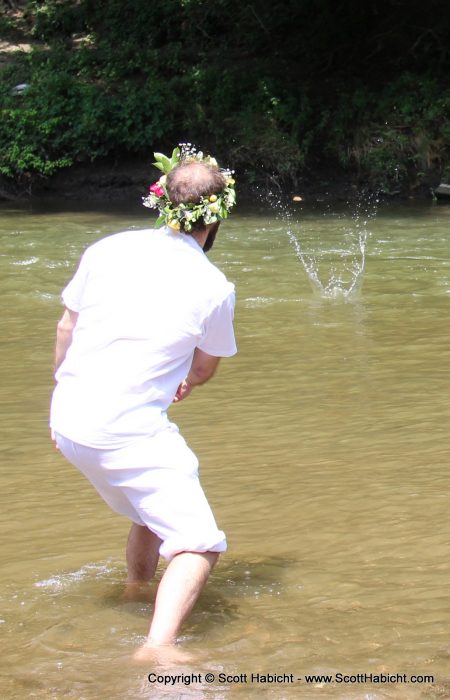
{"points": [[211, 208]]}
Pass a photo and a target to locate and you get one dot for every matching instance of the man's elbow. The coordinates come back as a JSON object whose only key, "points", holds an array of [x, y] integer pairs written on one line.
{"points": [[202, 374], [66, 324], [63, 333], [202, 371]]}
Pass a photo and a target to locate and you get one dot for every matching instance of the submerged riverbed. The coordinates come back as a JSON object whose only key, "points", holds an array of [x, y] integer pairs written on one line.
{"points": [[323, 448]]}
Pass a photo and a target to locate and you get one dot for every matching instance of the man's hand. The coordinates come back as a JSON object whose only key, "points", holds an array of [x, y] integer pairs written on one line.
{"points": [[202, 368], [53, 438], [183, 391]]}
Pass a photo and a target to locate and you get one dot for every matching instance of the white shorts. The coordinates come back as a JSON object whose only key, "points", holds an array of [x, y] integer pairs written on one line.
{"points": [[154, 482]]}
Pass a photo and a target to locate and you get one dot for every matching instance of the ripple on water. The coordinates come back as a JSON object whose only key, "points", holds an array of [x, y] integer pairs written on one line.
{"points": [[252, 302], [64, 581], [26, 261]]}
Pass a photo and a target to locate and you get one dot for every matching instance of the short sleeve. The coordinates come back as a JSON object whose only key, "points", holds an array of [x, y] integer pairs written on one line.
{"points": [[218, 339], [72, 295]]}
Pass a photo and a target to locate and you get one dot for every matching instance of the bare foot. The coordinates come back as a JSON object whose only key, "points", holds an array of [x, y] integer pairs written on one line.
{"points": [[138, 592], [163, 655]]}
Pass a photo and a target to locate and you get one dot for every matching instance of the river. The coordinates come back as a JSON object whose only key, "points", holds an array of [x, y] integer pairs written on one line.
{"points": [[324, 452]]}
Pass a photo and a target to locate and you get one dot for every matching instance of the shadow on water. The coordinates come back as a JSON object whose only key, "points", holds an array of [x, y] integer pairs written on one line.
{"points": [[76, 625], [81, 635], [100, 585]]}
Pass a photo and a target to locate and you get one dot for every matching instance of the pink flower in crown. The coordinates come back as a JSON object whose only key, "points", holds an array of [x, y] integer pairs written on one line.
{"points": [[156, 189]]}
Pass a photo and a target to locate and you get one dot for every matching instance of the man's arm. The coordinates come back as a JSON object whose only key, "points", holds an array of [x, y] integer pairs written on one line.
{"points": [[202, 368], [64, 332]]}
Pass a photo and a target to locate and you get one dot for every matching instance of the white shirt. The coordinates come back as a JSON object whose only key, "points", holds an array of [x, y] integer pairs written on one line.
{"points": [[146, 299]]}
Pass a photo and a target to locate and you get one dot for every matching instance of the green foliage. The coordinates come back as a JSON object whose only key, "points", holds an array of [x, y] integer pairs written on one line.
{"points": [[273, 87], [396, 135]]}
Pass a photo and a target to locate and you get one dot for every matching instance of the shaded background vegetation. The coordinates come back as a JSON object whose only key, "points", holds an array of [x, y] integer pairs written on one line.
{"points": [[283, 87]]}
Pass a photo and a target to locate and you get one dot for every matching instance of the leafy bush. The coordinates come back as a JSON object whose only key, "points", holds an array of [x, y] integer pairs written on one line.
{"points": [[275, 87], [395, 136]]}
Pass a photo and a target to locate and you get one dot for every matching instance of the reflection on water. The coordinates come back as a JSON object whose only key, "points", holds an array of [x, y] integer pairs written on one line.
{"points": [[324, 451]]}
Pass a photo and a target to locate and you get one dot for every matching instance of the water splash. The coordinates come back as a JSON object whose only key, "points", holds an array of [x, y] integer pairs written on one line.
{"points": [[61, 582], [336, 272]]}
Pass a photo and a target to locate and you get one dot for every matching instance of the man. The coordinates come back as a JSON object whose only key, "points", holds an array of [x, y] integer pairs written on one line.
{"points": [[147, 319]]}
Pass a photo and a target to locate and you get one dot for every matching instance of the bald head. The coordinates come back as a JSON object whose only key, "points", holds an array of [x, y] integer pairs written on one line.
{"points": [[189, 182]]}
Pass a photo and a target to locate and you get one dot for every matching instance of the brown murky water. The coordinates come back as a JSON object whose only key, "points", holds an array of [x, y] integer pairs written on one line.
{"points": [[324, 452]]}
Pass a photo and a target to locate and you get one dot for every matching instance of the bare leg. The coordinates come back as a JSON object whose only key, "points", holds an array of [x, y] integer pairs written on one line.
{"points": [[142, 554], [142, 560], [180, 587]]}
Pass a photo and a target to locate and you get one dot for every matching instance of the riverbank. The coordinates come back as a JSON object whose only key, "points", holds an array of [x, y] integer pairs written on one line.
{"points": [[129, 179]]}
